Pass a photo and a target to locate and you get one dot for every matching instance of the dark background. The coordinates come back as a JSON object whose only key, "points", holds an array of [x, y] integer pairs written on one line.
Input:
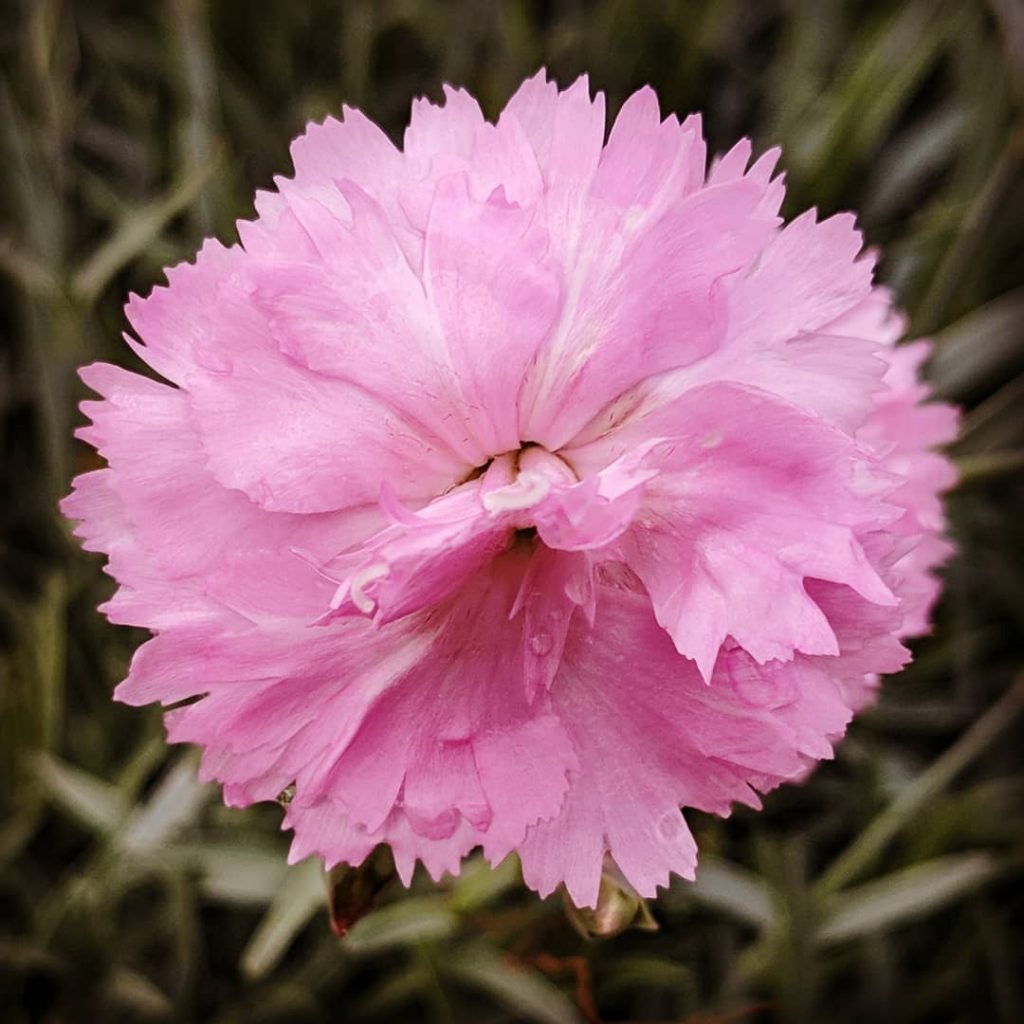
{"points": [[885, 889]]}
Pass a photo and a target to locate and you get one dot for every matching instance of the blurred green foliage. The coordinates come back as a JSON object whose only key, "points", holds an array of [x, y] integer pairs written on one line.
{"points": [[886, 888]]}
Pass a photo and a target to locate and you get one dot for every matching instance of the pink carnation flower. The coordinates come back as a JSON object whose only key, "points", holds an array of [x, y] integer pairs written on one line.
{"points": [[516, 489]]}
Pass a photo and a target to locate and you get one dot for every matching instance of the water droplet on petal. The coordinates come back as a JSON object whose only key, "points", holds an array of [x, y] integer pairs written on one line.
{"points": [[215, 362], [671, 825], [540, 644]]}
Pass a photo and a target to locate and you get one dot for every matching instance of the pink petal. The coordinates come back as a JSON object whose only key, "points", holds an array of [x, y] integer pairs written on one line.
{"points": [[626, 314], [648, 162], [805, 279], [248, 401], [665, 740], [422, 560], [517, 490], [226, 549], [496, 295], [752, 497]]}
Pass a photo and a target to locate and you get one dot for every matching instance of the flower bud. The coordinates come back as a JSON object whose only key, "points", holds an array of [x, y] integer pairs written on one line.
{"points": [[619, 907]]}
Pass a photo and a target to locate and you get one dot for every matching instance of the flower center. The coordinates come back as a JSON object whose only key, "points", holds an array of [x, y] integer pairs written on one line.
{"points": [[519, 480]]}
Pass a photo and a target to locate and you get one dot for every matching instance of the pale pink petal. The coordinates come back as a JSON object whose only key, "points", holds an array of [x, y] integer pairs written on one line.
{"points": [[648, 162], [908, 430], [447, 716], [626, 315], [366, 320], [504, 160], [353, 149], [752, 497], [242, 551], [423, 559], [248, 401], [664, 740], [556, 584], [566, 130], [597, 510], [446, 130], [496, 294], [803, 320], [804, 280]]}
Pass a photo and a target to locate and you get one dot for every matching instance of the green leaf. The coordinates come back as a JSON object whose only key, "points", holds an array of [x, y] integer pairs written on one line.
{"points": [[247, 872], [300, 896], [403, 923], [975, 469], [906, 895], [478, 883], [892, 56], [32, 682], [138, 230], [176, 803], [650, 974], [1010, 15], [980, 350], [734, 890], [909, 159], [397, 988], [95, 803], [962, 252], [870, 842], [525, 991], [134, 993]]}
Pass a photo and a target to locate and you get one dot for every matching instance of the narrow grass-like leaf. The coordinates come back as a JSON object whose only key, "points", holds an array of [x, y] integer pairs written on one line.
{"points": [[234, 871], [91, 801], [138, 230], [861, 853], [300, 896], [175, 803], [906, 895], [981, 349], [648, 974], [733, 890], [986, 207], [478, 883], [402, 924], [526, 992]]}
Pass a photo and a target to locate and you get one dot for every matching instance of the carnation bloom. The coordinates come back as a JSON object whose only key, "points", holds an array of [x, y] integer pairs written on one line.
{"points": [[516, 489]]}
